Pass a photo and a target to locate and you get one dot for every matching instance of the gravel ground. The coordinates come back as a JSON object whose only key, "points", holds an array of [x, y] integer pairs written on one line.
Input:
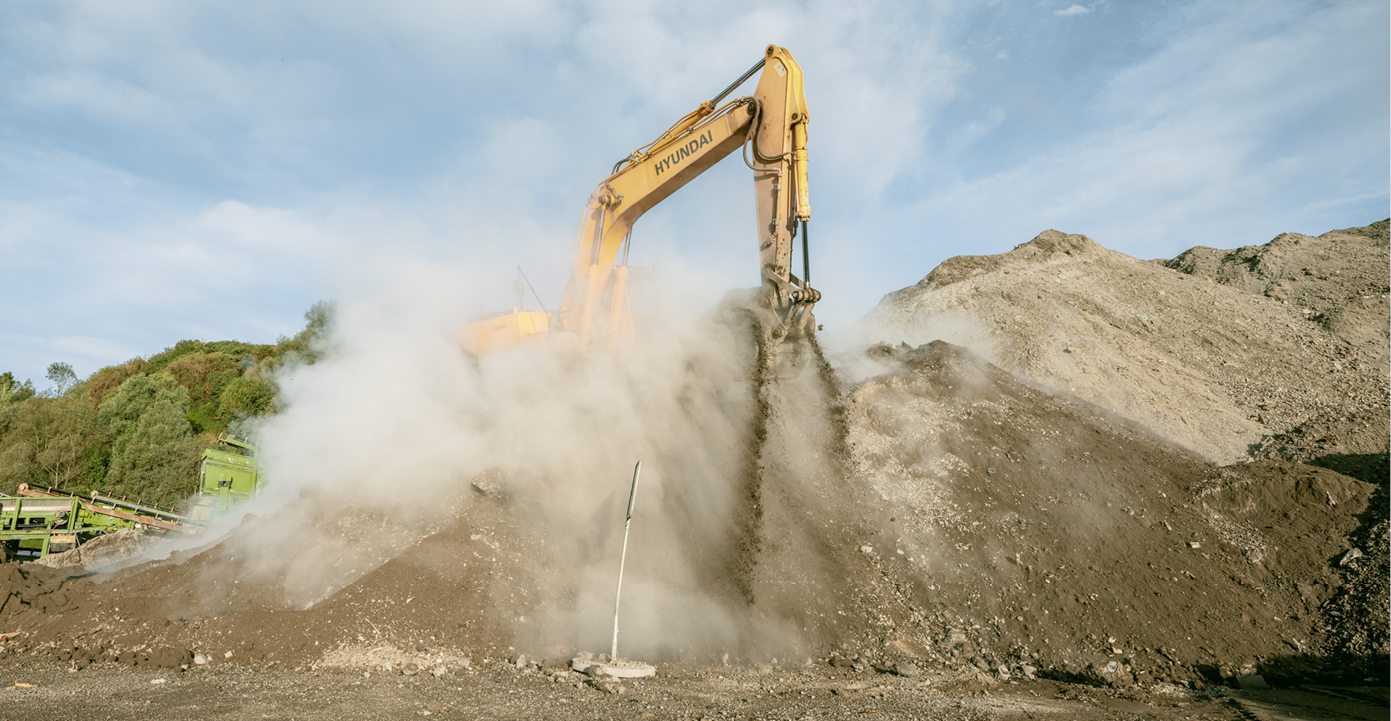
{"points": [[501, 692]]}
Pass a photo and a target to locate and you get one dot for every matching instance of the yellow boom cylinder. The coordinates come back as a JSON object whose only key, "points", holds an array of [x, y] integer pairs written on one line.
{"points": [[799, 157]]}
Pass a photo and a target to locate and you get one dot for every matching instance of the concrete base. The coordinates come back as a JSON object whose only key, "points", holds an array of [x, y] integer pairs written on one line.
{"points": [[617, 669]]}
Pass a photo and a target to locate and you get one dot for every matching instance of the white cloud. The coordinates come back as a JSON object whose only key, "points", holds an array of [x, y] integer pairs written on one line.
{"points": [[1072, 10], [977, 129], [1219, 131], [293, 149]]}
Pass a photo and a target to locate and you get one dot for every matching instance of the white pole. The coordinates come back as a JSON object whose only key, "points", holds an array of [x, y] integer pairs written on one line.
{"points": [[637, 470]]}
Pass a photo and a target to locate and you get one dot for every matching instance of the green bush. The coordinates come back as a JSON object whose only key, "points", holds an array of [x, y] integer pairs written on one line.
{"points": [[105, 381], [245, 396]]}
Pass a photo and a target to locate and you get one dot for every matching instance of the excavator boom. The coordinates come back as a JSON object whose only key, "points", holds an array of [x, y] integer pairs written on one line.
{"points": [[771, 126]]}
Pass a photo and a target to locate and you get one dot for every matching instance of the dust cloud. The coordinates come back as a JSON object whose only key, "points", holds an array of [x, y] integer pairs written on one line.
{"points": [[396, 431]]}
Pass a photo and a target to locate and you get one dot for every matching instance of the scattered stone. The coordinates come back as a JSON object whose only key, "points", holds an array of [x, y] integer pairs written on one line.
{"points": [[905, 669], [1110, 673], [606, 683], [1350, 556], [841, 662], [953, 639], [410, 669], [488, 483]]}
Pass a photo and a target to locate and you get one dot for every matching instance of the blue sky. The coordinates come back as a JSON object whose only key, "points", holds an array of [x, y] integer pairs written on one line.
{"points": [[176, 169]]}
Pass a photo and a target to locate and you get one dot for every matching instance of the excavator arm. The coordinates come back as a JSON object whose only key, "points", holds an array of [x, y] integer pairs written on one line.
{"points": [[771, 127]]}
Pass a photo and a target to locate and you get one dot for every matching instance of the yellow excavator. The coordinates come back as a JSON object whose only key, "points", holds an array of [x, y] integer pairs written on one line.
{"points": [[771, 129]]}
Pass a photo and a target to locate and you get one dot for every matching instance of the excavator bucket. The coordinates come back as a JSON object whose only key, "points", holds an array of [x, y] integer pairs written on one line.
{"points": [[777, 349], [791, 357]]}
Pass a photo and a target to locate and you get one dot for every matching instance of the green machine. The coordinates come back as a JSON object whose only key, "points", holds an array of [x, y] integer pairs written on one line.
{"points": [[40, 521], [35, 527], [230, 475]]}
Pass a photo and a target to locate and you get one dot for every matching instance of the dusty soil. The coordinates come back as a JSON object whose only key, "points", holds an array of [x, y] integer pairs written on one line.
{"points": [[505, 692], [1032, 519]]}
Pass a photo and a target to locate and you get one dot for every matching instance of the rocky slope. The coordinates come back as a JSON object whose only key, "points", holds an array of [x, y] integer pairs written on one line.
{"points": [[1214, 350]]}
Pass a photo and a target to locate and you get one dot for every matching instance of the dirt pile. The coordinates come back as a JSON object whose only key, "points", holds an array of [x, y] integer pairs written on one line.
{"points": [[1338, 279], [1043, 530], [1194, 355], [1007, 528], [1055, 512]]}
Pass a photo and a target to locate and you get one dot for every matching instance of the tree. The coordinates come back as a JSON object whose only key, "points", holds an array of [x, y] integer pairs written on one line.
{"points": [[46, 441], [158, 461], [71, 430], [12, 391], [305, 346], [153, 453], [62, 376], [319, 317]]}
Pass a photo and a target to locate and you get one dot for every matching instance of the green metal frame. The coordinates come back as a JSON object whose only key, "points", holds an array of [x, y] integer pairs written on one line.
{"points": [[50, 521], [38, 526]]}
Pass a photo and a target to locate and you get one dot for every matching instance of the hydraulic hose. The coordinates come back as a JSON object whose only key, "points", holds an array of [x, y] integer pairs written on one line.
{"points": [[753, 133]]}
